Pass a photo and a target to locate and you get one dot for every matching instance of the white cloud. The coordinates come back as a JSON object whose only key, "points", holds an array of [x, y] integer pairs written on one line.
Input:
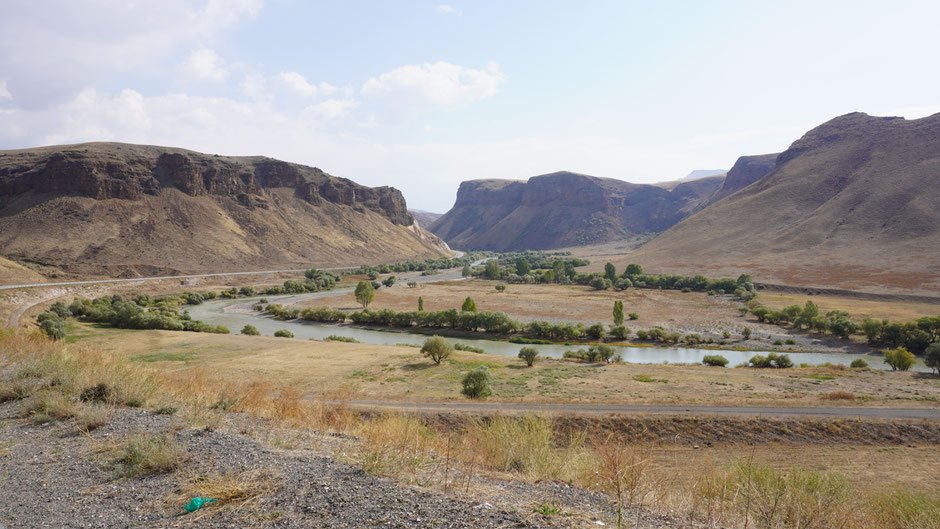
{"points": [[298, 84], [4, 92], [255, 86], [205, 64], [440, 84], [331, 108], [54, 49], [448, 10]]}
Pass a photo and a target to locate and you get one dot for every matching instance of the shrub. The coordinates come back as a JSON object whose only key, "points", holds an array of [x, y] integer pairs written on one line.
{"points": [[469, 305], [55, 328], [715, 360], [746, 333], [283, 333], [642, 334], [778, 342], [600, 283], [436, 348], [250, 330], [790, 341], [477, 384], [338, 338], [469, 348], [529, 354], [619, 332], [148, 454], [899, 359], [595, 331], [772, 360], [858, 363], [500, 287], [633, 316], [60, 310]]}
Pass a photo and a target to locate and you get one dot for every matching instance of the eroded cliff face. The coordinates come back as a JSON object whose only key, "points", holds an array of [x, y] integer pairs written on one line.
{"points": [[563, 209], [103, 171], [109, 208], [746, 171]]}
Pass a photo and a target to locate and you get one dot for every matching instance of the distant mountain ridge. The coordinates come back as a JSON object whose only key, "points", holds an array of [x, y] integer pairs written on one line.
{"points": [[853, 203], [121, 208], [564, 209]]}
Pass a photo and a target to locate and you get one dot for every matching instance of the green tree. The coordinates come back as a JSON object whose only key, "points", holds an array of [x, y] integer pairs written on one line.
{"points": [[55, 328], [805, 318], [389, 281], [610, 271], [899, 359], [595, 332], [436, 348], [420, 304], [600, 283], [872, 329], [283, 333], [478, 383], [250, 330], [466, 271], [529, 354], [61, 310], [633, 270], [365, 293], [523, 266], [468, 305], [492, 270], [746, 333], [932, 356], [618, 312], [558, 268], [619, 332]]}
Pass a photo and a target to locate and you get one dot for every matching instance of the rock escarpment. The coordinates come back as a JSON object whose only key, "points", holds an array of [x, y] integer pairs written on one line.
{"points": [[105, 171], [564, 209], [119, 208]]}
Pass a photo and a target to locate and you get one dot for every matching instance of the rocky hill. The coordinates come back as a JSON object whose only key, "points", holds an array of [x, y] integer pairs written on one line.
{"points": [[132, 209], [564, 209], [424, 218], [853, 204], [746, 171]]}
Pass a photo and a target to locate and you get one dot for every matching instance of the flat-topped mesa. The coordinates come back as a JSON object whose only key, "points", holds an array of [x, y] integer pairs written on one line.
{"points": [[107, 170], [564, 209]]}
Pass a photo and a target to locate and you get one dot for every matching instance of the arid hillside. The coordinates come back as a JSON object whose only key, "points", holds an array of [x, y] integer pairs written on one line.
{"points": [[564, 209], [852, 204], [119, 209]]}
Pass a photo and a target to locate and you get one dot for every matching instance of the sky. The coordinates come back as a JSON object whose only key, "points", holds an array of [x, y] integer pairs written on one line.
{"points": [[423, 95]]}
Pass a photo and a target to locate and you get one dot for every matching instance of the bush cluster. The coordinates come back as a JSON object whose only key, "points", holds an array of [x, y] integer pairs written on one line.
{"points": [[162, 313], [595, 353], [772, 360]]}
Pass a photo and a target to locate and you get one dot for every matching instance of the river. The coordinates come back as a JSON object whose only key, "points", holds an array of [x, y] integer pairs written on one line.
{"points": [[235, 314]]}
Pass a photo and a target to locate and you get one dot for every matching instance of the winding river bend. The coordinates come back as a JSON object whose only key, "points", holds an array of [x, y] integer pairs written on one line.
{"points": [[235, 314]]}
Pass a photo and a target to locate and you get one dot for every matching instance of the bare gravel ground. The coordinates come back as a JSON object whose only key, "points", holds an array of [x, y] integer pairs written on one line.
{"points": [[52, 475]]}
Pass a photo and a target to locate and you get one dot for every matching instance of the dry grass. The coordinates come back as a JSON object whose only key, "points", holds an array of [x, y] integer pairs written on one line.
{"points": [[761, 490], [146, 454], [231, 490], [838, 395]]}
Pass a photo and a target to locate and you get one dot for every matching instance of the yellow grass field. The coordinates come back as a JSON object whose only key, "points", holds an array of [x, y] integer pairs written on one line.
{"points": [[401, 372]]}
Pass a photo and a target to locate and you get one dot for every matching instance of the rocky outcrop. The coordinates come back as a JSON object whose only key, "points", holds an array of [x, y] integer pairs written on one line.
{"points": [[746, 171], [563, 209], [106, 170], [119, 209]]}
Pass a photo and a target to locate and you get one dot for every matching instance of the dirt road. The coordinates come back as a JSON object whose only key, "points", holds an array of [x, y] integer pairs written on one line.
{"points": [[623, 409]]}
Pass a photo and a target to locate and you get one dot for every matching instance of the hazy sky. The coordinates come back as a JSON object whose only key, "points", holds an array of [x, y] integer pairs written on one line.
{"points": [[422, 95]]}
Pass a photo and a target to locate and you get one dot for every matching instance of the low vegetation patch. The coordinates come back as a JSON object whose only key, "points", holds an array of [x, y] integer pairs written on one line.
{"points": [[146, 454], [337, 338], [647, 378]]}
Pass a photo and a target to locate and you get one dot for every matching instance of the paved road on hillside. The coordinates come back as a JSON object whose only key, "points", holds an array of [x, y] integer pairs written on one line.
{"points": [[652, 409]]}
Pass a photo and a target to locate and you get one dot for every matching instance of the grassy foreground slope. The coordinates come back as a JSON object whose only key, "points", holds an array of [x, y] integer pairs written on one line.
{"points": [[852, 204]]}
